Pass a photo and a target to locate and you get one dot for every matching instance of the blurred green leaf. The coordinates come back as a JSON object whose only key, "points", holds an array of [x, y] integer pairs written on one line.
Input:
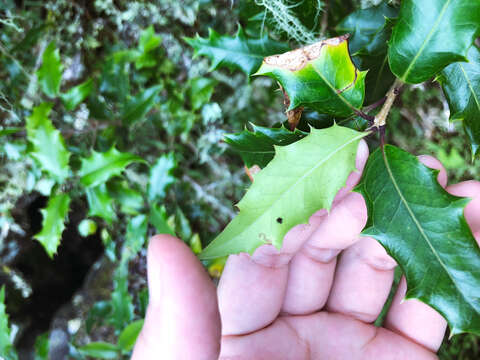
{"points": [[73, 97], [130, 200], [129, 335], [122, 302], [99, 311], [196, 243], [100, 203], [114, 81], [148, 41], [48, 148], [158, 218], [238, 52], [182, 226], [9, 131], [136, 234], [6, 347], [50, 73], [140, 105], [200, 91], [87, 227], [161, 176], [41, 347], [100, 167], [100, 350], [53, 224]]}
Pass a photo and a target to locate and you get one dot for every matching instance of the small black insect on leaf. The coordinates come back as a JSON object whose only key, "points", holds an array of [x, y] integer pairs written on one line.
{"points": [[279, 220]]}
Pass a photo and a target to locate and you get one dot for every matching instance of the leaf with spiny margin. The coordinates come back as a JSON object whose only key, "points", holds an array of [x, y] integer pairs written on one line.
{"points": [[431, 34], [161, 176], [73, 97], [148, 42], [370, 29], [320, 76], [302, 178], [53, 224], [101, 166], [50, 73], [7, 351], [256, 147], [100, 203], [138, 106], [461, 85], [48, 146], [237, 52], [423, 228]]}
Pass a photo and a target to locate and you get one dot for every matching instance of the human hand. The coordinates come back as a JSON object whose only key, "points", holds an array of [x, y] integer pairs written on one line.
{"points": [[304, 302]]}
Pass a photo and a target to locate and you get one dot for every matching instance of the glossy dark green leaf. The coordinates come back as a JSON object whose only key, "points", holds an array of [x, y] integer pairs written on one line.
{"points": [[161, 176], [431, 34], [423, 228], [100, 350], [53, 223], [50, 73], [48, 145], [74, 96], [257, 147], [100, 167], [6, 347], [201, 90], [128, 337], [158, 218], [237, 52], [320, 76], [461, 85], [138, 106], [100, 203]]}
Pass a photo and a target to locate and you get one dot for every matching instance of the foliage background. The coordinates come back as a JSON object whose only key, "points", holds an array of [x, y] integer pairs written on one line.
{"points": [[150, 99]]}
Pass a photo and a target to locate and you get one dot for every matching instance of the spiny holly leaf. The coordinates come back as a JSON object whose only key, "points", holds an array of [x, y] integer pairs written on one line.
{"points": [[423, 228], [128, 337], [48, 148], [461, 85], [7, 351], [256, 147], [238, 52], [148, 42], [138, 106], [201, 90], [302, 178], [54, 217], [161, 176], [50, 73], [371, 29], [320, 76], [100, 167], [429, 35], [73, 97], [100, 203]]}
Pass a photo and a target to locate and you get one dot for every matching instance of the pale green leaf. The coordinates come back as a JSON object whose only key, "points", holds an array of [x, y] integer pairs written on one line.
{"points": [[48, 145], [302, 178], [128, 336], [53, 224], [158, 218], [136, 235], [100, 350], [73, 97], [87, 227], [129, 199], [100, 203], [50, 73], [201, 90], [161, 176], [100, 167]]}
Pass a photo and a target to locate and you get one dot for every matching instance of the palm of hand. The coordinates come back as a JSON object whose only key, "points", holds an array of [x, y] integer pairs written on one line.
{"points": [[303, 302]]}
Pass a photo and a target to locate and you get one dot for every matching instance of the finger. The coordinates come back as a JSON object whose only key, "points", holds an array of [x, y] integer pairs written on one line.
{"points": [[182, 320], [433, 163], [312, 269], [415, 320], [469, 189], [363, 279]]}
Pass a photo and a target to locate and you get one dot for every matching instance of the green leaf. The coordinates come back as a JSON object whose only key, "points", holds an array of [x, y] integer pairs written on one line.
{"points": [[423, 228], [50, 73], [158, 218], [238, 52], [74, 97], [100, 203], [161, 176], [48, 146], [147, 43], [320, 76], [136, 235], [201, 90], [100, 350], [138, 106], [130, 200], [257, 147], [114, 81], [100, 167], [302, 178], [6, 347], [122, 302], [9, 131], [87, 227], [129, 335], [429, 35], [41, 347], [461, 85], [53, 224]]}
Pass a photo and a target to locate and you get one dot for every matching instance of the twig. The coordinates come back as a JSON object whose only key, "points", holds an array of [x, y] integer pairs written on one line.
{"points": [[381, 118]]}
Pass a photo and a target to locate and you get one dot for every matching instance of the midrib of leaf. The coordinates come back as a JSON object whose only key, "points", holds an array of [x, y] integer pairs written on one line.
{"points": [[358, 137], [117, 162], [427, 39], [470, 86], [419, 226]]}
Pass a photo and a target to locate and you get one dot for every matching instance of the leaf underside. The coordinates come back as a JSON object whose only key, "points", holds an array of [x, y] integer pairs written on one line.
{"points": [[431, 34], [320, 76], [423, 228], [302, 178]]}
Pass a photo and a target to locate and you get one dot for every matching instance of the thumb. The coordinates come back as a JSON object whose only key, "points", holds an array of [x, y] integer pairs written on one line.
{"points": [[182, 320]]}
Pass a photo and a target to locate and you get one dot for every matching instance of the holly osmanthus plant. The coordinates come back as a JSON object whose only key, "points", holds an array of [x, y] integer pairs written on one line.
{"points": [[378, 51]]}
